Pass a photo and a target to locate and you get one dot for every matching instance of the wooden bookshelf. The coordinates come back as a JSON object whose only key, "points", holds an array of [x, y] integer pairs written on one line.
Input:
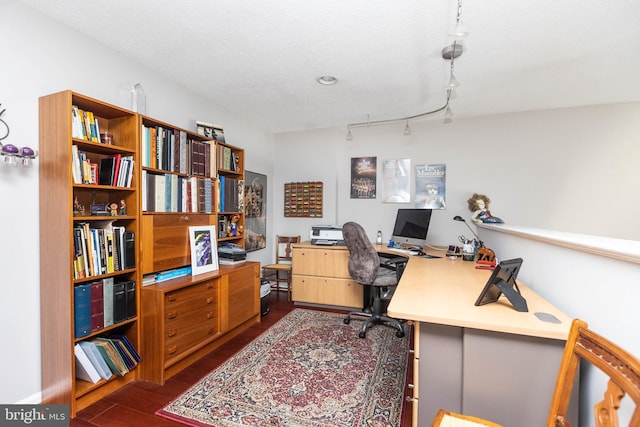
{"points": [[61, 200]]}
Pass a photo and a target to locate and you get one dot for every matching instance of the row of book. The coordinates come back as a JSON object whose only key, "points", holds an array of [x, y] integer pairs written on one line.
{"points": [[84, 125], [230, 194], [172, 150], [102, 248], [151, 278], [102, 303], [102, 358], [227, 159], [116, 170], [174, 193]]}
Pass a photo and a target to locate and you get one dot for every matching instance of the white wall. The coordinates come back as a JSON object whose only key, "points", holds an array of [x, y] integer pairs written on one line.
{"points": [[568, 169], [601, 290], [41, 57]]}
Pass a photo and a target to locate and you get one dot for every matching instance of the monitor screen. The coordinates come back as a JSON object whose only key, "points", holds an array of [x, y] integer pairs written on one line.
{"points": [[411, 226], [503, 281]]}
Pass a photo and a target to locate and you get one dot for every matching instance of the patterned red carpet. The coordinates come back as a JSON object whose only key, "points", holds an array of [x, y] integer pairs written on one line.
{"points": [[309, 369]]}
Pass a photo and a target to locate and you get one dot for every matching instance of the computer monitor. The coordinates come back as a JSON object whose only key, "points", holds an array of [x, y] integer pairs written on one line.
{"points": [[411, 227], [503, 281]]}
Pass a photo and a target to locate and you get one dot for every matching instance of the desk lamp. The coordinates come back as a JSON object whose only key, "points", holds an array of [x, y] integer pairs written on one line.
{"points": [[484, 253]]}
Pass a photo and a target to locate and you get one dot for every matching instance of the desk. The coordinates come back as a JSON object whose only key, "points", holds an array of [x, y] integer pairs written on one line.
{"points": [[489, 361]]}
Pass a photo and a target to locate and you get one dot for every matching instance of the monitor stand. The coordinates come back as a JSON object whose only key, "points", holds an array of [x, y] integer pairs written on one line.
{"points": [[514, 297]]}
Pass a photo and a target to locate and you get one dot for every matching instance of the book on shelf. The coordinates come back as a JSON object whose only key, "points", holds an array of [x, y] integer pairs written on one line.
{"points": [[130, 303], [127, 343], [97, 306], [107, 170], [227, 261], [84, 368], [119, 302], [82, 310], [129, 250], [111, 356], [107, 294], [96, 359]]}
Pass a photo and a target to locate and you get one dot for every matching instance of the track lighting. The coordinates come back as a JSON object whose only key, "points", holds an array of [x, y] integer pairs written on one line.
{"points": [[449, 53], [11, 154]]}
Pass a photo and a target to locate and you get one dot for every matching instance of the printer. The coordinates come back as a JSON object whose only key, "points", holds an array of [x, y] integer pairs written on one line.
{"points": [[326, 235]]}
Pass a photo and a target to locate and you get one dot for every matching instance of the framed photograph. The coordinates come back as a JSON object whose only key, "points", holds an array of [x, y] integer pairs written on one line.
{"points": [[255, 211], [204, 249]]}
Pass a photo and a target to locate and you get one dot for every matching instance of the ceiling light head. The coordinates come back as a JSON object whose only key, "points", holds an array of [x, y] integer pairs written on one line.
{"points": [[327, 80], [349, 135]]}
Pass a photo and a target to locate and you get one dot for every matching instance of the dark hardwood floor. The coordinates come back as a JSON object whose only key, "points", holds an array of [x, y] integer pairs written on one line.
{"points": [[136, 403]]}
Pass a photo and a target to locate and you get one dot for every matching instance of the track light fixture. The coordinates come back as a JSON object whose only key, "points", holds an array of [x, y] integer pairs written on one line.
{"points": [[11, 154], [449, 53]]}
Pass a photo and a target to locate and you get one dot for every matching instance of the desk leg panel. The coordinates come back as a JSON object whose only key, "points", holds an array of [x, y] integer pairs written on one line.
{"points": [[509, 378], [440, 374]]}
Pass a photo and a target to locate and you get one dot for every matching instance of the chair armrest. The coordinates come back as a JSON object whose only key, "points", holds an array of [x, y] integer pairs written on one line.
{"points": [[395, 261]]}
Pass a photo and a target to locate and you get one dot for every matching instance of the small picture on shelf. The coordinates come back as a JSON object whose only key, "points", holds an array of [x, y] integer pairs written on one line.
{"points": [[203, 242], [210, 130]]}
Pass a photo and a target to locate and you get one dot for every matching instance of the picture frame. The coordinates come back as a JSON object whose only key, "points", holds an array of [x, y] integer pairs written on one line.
{"points": [[255, 211], [204, 249]]}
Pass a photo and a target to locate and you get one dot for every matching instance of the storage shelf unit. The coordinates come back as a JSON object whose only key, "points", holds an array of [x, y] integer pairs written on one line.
{"points": [[65, 204]]}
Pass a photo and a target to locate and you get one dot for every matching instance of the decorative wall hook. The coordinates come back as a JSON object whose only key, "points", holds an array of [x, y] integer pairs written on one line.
{"points": [[11, 153]]}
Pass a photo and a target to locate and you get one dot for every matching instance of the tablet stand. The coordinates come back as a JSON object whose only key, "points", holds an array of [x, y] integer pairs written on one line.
{"points": [[514, 297]]}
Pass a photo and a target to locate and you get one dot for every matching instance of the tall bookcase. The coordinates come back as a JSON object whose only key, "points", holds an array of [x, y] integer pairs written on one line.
{"points": [[71, 198]]}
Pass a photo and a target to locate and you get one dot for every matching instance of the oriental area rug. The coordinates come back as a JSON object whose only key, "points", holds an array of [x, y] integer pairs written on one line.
{"points": [[307, 370]]}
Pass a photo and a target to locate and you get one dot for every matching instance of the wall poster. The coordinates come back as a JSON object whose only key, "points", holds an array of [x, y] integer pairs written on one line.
{"points": [[396, 175], [363, 177], [255, 211], [431, 186]]}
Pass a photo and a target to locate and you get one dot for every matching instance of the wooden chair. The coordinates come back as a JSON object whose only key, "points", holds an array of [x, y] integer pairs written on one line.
{"points": [[622, 369], [274, 272]]}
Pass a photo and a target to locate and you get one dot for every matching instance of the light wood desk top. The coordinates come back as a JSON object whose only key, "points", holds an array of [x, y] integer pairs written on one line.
{"points": [[443, 291]]}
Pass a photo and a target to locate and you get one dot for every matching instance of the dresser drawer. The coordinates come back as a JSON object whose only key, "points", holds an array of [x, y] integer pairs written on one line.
{"points": [[182, 335], [329, 291], [320, 262], [184, 301]]}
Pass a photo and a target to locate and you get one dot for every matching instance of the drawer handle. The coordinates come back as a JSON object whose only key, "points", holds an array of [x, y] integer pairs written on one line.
{"points": [[172, 315], [172, 332], [172, 349], [211, 331], [172, 298], [186, 218], [210, 300], [411, 386], [410, 399], [209, 285], [210, 315]]}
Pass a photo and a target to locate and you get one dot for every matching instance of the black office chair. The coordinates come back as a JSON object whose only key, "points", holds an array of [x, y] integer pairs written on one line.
{"points": [[366, 269]]}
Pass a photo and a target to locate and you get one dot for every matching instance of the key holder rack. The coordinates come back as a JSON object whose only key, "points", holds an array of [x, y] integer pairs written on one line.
{"points": [[12, 155]]}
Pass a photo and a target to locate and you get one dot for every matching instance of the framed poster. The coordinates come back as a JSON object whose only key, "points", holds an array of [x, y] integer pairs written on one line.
{"points": [[204, 249], [363, 177], [396, 181], [255, 211], [431, 186]]}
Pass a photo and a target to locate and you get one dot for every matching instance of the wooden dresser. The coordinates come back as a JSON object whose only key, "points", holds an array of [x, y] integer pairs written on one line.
{"points": [[185, 319]]}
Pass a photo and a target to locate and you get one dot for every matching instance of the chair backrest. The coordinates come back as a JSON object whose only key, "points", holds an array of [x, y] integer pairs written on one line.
{"points": [[622, 369], [363, 259], [284, 247]]}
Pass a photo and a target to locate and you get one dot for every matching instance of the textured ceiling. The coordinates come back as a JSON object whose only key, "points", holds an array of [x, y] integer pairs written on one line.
{"points": [[260, 58]]}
